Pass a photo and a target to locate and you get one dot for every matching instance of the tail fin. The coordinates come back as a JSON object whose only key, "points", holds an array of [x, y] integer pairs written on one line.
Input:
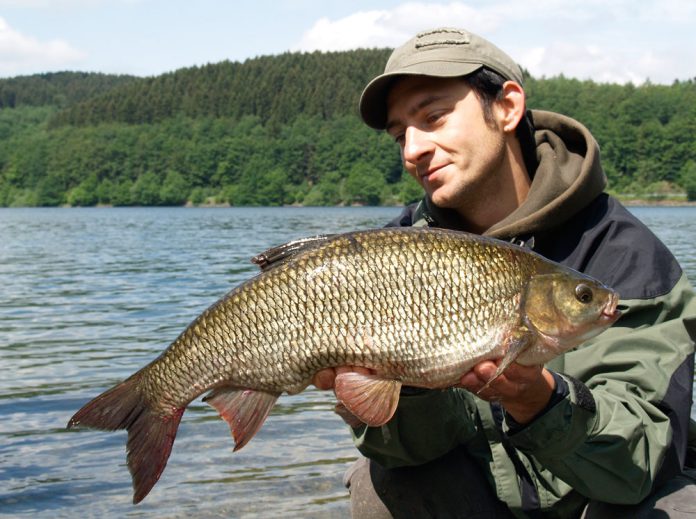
{"points": [[150, 434]]}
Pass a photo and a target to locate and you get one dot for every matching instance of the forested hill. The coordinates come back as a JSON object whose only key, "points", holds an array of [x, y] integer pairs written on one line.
{"points": [[274, 88], [60, 89], [284, 130]]}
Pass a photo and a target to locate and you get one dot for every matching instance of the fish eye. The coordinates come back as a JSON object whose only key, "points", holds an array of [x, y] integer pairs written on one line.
{"points": [[583, 293]]}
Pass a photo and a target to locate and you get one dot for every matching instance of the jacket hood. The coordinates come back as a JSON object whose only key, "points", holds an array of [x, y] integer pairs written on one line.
{"points": [[568, 176]]}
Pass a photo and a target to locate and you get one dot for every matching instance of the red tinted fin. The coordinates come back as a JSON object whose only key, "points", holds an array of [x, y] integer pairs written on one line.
{"points": [[150, 434], [244, 410], [370, 399]]}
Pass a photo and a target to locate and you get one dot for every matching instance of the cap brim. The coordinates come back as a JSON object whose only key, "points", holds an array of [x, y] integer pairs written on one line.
{"points": [[373, 101]]}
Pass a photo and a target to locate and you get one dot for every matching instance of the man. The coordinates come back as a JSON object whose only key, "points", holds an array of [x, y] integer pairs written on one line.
{"points": [[600, 431]]}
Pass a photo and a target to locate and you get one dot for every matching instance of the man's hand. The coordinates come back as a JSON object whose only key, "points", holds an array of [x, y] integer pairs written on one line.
{"points": [[523, 391], [325, 378]]}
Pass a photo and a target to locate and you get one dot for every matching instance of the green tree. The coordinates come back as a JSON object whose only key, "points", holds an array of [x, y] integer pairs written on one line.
{"points": [[145, 190], [273, 188], [120, 194], [198, 196], [50, 191], [86, 193], [326, 192], [364, 185], [687, 180], [105, 191], [174, 190], [409, 190]]}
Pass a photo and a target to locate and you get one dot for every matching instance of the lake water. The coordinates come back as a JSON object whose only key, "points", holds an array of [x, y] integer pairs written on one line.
{"points": [[90, 295]]}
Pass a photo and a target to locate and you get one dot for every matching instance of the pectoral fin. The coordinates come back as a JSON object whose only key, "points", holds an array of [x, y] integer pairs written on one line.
{"points": [[244, 410], [370, 399], [517, 342]]}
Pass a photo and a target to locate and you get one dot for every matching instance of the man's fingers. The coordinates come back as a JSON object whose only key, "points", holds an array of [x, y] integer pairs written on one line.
{"points": [[485, 370], [523, 391], [519, 373], [324, 379], [478, 376], [512, 384], [506, 385]]}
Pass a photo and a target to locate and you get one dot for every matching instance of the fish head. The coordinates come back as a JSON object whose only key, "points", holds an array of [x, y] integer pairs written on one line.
{"points": [[567, 308]]}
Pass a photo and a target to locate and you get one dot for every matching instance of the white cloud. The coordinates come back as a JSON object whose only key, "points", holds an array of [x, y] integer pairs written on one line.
{"points": [[618, 41], [588, 62], [362, 29], [605, 65], [21, 54], [389, 28]]}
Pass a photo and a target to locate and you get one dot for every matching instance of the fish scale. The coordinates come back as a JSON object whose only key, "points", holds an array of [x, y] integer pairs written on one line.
{"points": [[415, 306]]}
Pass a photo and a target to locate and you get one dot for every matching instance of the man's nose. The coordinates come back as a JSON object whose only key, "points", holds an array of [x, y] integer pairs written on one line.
{"points": [[417, 145]]}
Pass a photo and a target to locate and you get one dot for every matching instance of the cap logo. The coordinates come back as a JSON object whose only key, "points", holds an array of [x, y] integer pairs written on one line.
{"points": [[441, 37]]}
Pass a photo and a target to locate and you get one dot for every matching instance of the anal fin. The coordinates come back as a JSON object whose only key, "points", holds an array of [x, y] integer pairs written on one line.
{"points": [[369, 398], [245, 410]]}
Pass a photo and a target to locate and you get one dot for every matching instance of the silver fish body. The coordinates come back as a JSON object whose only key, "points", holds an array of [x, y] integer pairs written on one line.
{"points": [[418, 306]]}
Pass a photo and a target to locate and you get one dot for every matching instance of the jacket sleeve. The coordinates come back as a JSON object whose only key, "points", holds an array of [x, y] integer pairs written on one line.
{"points": [[624, 425], [425, 426]]}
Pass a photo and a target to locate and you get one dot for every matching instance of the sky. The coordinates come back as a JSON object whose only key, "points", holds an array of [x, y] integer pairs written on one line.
{"points": [[615, 41]]}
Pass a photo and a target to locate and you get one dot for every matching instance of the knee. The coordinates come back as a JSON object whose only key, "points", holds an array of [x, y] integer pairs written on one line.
{"points": [[676, 499], [364, 501]]}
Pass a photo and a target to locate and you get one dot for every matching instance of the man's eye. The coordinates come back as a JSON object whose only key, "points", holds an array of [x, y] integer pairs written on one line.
{"points": [[433, 117]]}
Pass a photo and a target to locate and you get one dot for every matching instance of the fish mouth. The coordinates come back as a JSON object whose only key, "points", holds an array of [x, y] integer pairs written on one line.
{"points": [[610, 312]]}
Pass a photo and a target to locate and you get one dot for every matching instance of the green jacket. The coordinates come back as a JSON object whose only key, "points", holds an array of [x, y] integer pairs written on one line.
{"points": [[620, 426]]}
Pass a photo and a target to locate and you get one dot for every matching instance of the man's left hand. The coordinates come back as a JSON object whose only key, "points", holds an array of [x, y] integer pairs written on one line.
{"points": [[523, 391]]}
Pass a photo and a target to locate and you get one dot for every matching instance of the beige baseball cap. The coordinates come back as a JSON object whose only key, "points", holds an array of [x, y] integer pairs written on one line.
{"points": [[442, 52]]}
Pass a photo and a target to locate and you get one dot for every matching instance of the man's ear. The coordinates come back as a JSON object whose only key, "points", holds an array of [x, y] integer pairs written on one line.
{"points": [[511, 105]]}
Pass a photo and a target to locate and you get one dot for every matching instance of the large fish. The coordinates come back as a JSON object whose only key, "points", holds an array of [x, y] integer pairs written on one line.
{"points": [[418, 306]]}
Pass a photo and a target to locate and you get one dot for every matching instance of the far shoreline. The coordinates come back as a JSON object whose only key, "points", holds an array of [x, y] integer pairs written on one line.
{"points": [[640, 202], [628, 202]]}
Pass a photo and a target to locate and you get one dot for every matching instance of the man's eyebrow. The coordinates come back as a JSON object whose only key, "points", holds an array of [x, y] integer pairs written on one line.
{"points": [[414, 109]]}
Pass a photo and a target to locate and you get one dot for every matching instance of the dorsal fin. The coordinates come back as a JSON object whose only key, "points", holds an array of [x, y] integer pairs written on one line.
{"points": [[280, 254]]}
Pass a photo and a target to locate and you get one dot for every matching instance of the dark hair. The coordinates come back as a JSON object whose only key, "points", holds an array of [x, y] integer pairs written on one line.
{"points": [[488, 87]]}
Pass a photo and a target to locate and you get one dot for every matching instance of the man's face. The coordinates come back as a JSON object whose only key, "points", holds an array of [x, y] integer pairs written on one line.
{"points": [[446, 144]]}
